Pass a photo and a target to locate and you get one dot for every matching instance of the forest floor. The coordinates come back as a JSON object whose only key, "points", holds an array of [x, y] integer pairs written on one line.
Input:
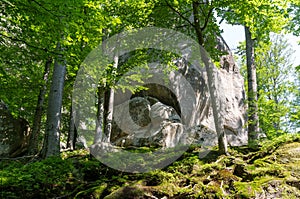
{"points": [[272, 171]]}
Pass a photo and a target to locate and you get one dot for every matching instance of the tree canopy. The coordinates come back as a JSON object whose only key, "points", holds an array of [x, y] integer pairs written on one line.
{"points": [[36, 36]]}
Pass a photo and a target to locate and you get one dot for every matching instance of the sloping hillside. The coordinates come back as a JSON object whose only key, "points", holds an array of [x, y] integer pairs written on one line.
{"points": [[273, 171]]}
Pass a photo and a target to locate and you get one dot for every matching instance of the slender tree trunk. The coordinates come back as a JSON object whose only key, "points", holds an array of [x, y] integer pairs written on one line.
{"points": [[216, 106], [52, 138], [100, 115], [72, 131], [33, 142], [109, 117], [101, 111], [253, 120]]}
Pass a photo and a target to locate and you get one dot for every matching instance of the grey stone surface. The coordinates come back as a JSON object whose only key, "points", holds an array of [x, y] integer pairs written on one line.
{"points": [[230, 88], [163, 129], [179, 110]]}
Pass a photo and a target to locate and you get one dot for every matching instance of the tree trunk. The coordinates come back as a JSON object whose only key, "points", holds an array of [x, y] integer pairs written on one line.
{"points": [[216, 106], [52, 138], [34, 142], [72, 132], [100, 115], [101, 111], [109, 117], [253, 120]]}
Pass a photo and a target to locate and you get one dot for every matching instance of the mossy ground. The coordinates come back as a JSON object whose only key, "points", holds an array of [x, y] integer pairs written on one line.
{"points": [[273, 171]]}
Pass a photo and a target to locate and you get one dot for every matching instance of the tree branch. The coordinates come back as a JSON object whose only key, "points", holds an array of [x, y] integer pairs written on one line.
{"points": [[207, 19], [40, 5], [28, 44], [197, 23], [179, 14]]}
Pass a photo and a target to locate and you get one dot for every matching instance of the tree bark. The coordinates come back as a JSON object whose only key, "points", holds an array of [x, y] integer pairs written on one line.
{"points": [[100, 115], [216, 106], [52, 138], [72, 132], [110, 111], [101, 111], [33, 142], [253, 119]]}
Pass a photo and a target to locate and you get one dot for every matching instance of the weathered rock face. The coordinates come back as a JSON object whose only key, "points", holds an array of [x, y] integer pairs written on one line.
{"points": [[232, 96], [166, 115], [161, 124], [230, 89], [164, 128], [14, 133]]}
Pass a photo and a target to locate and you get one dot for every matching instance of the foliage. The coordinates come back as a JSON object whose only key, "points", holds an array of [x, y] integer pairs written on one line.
{"points": [[262, 17], [259, 18], [294, 12], [39, 179], [178, 15], [30, 32], [295, 107], [276, 85]]}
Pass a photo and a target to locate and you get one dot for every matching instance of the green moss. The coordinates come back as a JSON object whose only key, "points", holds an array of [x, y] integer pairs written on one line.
{"points": [[142, 149], [207, 168], [269, 145], [77, 174], [246, 189], [96, 191], [227, 176], [126, 192], [75, 153], [250, 189]]}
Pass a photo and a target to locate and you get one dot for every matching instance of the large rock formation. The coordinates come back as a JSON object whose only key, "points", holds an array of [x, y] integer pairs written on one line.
{"points": [[167, 114], [14, 133], [162, 127]]}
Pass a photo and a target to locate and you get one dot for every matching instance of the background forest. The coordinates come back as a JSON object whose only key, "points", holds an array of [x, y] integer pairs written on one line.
{"points": [[43, 44]]}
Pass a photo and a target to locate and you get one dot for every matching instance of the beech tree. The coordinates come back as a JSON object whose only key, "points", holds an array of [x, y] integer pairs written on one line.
{"points": [[259, 19], [52, 139], [71, 41], [37, 121], [216, 106], [253, 120]]}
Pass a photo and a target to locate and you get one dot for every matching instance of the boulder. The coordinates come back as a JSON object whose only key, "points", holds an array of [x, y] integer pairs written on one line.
{"points": [[14, 133], [182, 107], [163, 130]]}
